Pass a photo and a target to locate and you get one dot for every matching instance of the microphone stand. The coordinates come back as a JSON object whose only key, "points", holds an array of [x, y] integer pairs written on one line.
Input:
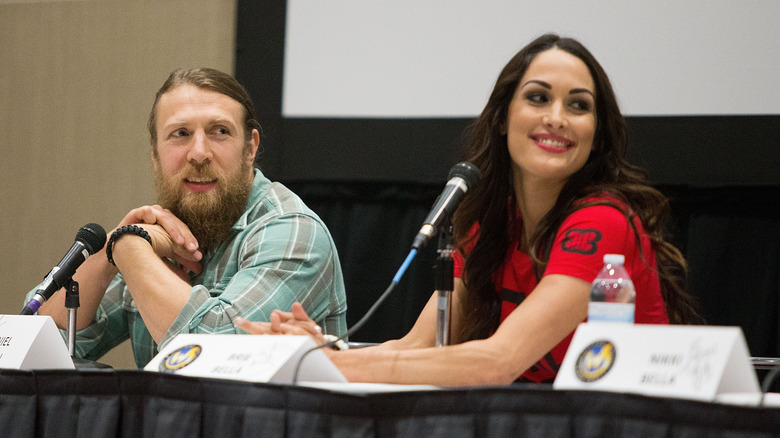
{"points": [[443, 270], [72, 303]]}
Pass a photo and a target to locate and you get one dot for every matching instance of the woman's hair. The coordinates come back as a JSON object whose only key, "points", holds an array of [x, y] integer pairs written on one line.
{"points": [[207, 79], [491, 204]]}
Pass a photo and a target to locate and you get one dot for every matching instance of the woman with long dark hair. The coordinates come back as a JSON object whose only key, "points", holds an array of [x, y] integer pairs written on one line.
{"points": [[556, 194]]}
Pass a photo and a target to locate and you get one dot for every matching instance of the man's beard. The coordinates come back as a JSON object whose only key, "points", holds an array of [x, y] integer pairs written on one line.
{"points": [[209, 215]]}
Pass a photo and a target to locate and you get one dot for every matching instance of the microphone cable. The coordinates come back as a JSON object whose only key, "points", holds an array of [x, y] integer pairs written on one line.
{"points": [[461, 178], [769, 379], [358, 325]]}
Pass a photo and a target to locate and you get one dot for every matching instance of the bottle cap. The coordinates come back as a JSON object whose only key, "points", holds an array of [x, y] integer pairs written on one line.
{"points": [[614, 259]]}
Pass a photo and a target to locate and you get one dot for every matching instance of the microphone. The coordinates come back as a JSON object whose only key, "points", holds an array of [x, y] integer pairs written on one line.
{"points": [[90, 239], [461, 178]]}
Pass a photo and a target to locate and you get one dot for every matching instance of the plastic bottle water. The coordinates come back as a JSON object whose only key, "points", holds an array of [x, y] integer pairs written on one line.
{"points": [[612, 293]]}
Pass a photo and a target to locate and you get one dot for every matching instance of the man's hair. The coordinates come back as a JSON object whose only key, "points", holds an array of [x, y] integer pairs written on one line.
{"points": [[208, 79]]}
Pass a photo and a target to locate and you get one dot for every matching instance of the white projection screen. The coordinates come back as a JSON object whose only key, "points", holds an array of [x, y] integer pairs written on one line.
{"points": [[440, 58]]}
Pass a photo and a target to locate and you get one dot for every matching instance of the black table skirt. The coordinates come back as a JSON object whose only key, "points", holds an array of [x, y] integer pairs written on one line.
{"points": [[128, 403]]}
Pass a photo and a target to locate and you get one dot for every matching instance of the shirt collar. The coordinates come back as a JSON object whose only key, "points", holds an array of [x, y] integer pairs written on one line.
{"points": [[260, 187]]}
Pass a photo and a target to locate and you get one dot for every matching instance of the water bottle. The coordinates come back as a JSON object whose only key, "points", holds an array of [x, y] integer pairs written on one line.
{"points": [[612, 293]]}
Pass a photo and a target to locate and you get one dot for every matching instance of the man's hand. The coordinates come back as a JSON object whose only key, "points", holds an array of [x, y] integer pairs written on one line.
{"points": [[171, 238], [154, 214], [168, 250]]}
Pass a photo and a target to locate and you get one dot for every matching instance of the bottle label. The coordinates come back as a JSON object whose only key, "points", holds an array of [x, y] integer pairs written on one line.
{"points": [[610, 312]]}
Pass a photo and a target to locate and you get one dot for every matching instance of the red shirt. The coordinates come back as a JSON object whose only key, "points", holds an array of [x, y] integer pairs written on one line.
{"points": [[578, 251]]}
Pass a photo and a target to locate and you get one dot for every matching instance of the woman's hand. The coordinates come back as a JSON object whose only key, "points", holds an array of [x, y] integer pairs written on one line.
{"points": [[294, 322]]}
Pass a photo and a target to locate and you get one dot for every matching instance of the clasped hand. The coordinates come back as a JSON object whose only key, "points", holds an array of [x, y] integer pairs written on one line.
{"points": [[171, 238], [294, 322]]}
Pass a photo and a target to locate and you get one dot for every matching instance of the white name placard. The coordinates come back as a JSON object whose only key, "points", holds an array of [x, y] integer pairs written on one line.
{"points": [[32, 342], [693, 362], [254, 358]]}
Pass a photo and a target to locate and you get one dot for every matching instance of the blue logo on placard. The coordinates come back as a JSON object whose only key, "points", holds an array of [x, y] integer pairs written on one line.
{"points": [[180, 358], [595, 361]]}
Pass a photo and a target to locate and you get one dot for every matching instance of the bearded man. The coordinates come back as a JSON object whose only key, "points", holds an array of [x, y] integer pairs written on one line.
{"points": [[224, 241]]}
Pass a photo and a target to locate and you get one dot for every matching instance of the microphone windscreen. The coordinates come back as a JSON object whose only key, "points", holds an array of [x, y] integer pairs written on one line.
{"points": [[467, 171], [93, 236]]}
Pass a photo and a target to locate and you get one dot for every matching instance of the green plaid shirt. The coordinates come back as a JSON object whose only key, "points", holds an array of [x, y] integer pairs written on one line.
{"points": [[279, 252]]}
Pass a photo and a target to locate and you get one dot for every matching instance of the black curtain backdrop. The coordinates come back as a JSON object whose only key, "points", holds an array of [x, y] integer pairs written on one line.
{"points": [[730, 236], [374, 180]]}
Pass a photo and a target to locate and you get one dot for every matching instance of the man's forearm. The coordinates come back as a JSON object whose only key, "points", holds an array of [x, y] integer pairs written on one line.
{"points": [[157, 291]]}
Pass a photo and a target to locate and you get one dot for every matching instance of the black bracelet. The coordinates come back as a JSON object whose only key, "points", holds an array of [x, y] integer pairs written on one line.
{"points": [[132, 229]]}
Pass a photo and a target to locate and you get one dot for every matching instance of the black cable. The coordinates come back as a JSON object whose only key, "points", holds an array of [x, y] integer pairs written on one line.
{"points": [[358, 325], [767, 383]]}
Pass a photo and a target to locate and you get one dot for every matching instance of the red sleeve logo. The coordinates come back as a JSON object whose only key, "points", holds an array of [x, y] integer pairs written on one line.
{"points": [[581, 241]]}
